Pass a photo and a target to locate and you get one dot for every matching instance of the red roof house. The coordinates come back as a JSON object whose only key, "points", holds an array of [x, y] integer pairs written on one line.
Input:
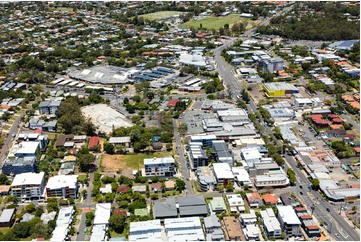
{"points": [[318, 120], [123, 189], [94, 140], [172, 103], [270, 199]]}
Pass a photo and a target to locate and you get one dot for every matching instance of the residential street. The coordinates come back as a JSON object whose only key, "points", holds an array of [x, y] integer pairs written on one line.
{"points": [[181, 159]]}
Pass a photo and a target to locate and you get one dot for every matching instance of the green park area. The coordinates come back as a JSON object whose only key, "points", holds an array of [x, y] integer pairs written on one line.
{"points": [[160, 15], [214, 22]]}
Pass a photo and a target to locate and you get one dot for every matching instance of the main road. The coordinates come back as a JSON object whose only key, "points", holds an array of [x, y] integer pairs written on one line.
{"points": [[311, 199]]}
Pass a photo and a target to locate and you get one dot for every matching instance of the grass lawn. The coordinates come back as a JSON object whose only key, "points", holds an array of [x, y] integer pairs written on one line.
{"points": [[214, 22], [64, 9], [81, 178], [160, 15], [113, 163]]}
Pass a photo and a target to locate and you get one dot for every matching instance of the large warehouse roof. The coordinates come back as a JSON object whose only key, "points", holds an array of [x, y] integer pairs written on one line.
{"points": [[104, 75]]}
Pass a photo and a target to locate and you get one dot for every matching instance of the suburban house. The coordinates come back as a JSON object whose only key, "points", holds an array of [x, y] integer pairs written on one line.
{"points": [[124, 141]]}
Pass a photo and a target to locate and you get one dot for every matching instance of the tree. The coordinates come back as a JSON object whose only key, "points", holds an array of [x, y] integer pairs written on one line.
{"points": [[22, 230], [154, 179], [85, 161], [39, 211], [245, 96], [109, 148], [315, 184], [3, 179], [30, 208], [136, 204], [180, 185], [229, 186], [116, 222], [89, 218]]}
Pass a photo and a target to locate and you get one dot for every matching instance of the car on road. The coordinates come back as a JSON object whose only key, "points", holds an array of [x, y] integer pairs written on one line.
{"points": [[301, 193], [337, 235], [327, 209]]}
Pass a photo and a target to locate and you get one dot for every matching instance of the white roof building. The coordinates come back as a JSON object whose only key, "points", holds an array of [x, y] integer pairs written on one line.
{"points": [[241, 175], [192, 60], [119, 140], [145, 230], [60, 181], [235, 202], [28, 178], [102, 213], [251, 155], [270, 223], [27, 148], [157, 161], [287, 215], [222, 171], [184, 229], [65, 218]]}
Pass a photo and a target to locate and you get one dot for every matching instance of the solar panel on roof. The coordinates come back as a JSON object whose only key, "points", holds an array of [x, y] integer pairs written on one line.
{"points": [[159, 72], [151, 74], [165, 70]]}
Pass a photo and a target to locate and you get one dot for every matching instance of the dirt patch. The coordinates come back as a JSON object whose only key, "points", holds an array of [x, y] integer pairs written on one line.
{"points": [[114, 163]]}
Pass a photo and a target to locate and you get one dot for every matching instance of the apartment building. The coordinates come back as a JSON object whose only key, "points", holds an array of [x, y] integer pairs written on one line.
{"points": [[49, 107], [270, 223], [162, 167], [62, 186], [289, 221], [28, 186], [197, 156]]}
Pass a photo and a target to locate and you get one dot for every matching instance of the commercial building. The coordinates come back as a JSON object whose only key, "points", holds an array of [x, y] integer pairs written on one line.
{"points": [[101, 221], [192, 60], [233, 115], [7, 217], [49, 107], [306, 103], [184, 229], [28, 186], [279, 89], [270, 223], [161, 167], [251, 155], [206, 140], [221, 152], [223, 173], [272, 65], [106, 75], [235, 203], [289, 221], [274, 178], [241, 176], [64, 186], [145, 230], [63, 223], [281, 114], [197, 156]]}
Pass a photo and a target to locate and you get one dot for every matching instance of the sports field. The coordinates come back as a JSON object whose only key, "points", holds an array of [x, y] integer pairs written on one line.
{"points": [[214, 22], [161, 15]]}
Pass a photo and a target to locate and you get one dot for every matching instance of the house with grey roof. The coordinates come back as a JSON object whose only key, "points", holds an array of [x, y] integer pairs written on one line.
{"points": [[165, 209], [192, 206], [49, 107], [213, 228], [7, 217]]}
